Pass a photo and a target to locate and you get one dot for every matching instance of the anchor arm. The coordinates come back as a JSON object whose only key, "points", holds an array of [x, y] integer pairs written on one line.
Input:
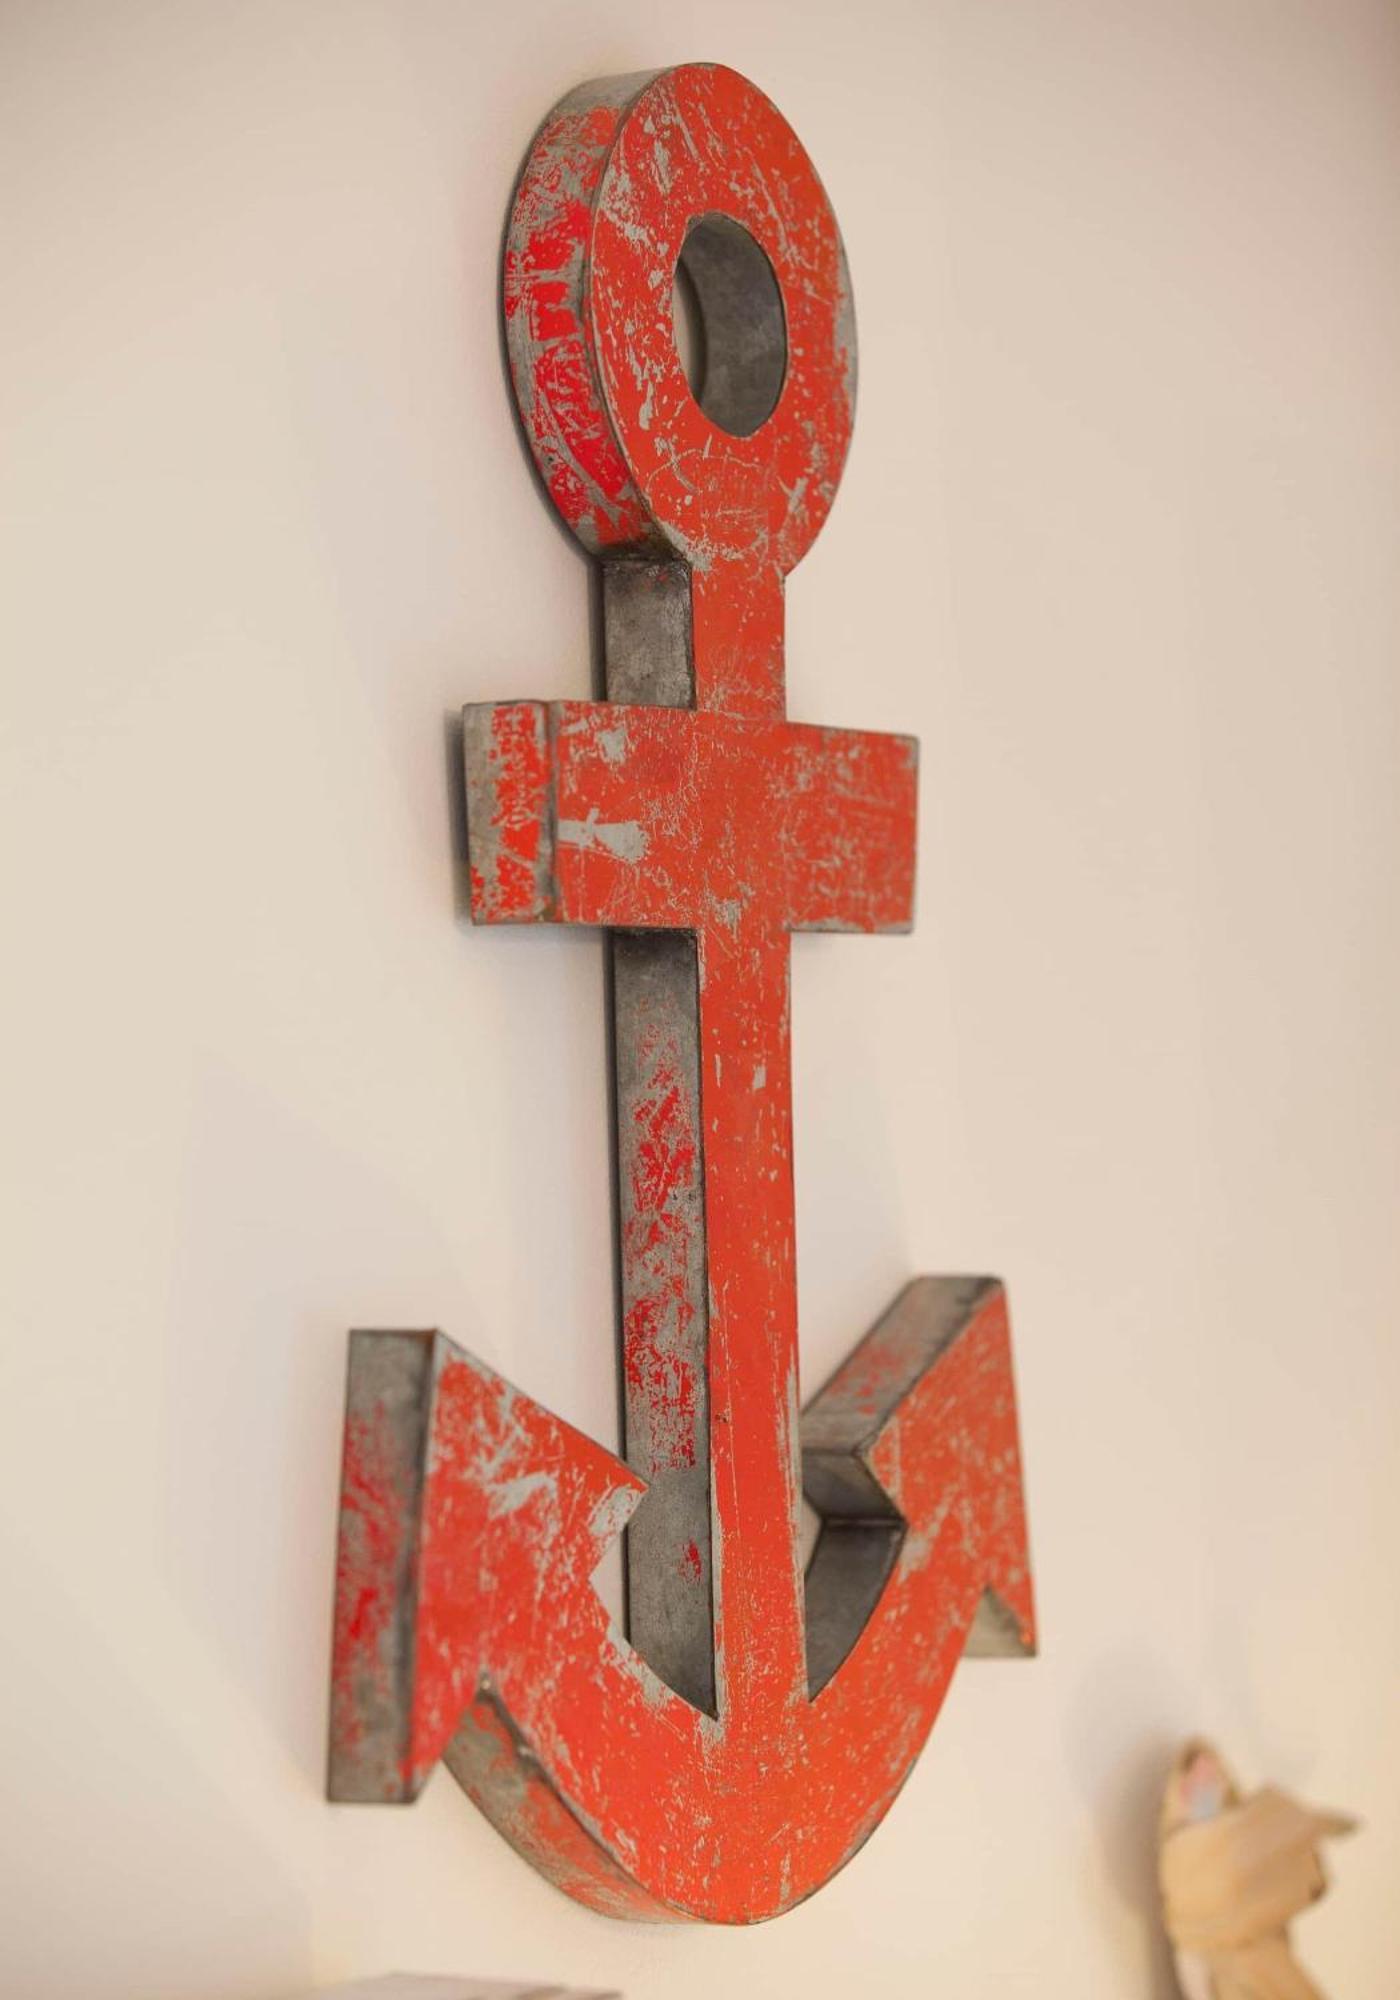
{"points": [[911, 1456], [471, 1523]]}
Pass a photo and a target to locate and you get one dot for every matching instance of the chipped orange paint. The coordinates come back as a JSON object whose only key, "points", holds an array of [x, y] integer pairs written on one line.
{"points": [[727, 821], [655, 1250]]}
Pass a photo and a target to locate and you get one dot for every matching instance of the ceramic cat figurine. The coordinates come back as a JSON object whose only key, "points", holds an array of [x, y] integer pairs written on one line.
{"points": [[1234, 1872]]}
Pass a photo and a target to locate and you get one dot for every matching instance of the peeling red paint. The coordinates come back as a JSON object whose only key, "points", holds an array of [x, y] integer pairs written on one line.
{"points": [[726, 821], [373, 1562], [671, 819], [508, 842], [656, 1249], [544, 306], [625, 1795]]}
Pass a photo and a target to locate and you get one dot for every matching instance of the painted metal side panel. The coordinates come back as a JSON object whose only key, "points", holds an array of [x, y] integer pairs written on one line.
{"points": [[665, 1306]]}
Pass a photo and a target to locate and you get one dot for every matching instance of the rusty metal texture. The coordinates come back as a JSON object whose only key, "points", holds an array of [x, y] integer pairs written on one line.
{"points": [[729, 1753]]}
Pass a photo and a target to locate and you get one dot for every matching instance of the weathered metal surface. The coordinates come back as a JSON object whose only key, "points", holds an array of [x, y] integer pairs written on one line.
{"points": [[729, 1754]]}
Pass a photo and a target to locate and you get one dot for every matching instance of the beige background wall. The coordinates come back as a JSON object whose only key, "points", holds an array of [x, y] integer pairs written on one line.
{"points": [[1118, 540]]}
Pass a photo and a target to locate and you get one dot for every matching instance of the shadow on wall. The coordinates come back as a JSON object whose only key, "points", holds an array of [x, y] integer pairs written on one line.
{"points": [[1121, 1763]]}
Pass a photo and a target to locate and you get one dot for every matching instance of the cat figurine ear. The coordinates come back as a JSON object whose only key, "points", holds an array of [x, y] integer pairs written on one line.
{"points": [[1234, 1871]]}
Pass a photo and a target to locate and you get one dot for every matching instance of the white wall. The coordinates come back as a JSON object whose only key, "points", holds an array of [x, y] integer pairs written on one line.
{"points": [[1117, 539]]}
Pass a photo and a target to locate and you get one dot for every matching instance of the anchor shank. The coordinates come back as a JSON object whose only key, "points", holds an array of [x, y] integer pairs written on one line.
{"points": [[746, 1101], [661, 1220], [665, 1316], [737, 613], [705, 1214]]}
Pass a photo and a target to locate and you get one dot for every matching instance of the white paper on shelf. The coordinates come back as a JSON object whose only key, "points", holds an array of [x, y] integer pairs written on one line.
{"points": [[416, 1986]]}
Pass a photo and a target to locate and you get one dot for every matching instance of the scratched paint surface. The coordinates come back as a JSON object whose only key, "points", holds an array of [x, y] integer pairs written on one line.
{"points": [[664, 1306], [668, 818], [472, 1520]]}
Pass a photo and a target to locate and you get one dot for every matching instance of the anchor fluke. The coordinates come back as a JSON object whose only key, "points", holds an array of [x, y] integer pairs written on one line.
{"points": [[471, 1523], [911, 1453]]}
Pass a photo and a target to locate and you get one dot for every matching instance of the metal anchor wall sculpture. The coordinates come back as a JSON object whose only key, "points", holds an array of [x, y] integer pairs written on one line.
{"points": [[728, 1755]]}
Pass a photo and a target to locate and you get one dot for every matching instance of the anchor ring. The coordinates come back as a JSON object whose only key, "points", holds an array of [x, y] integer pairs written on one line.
{"points": [[627, 179]]}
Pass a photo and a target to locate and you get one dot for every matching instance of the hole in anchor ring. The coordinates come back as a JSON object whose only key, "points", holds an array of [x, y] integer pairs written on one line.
{"points": [[729, 325]]}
